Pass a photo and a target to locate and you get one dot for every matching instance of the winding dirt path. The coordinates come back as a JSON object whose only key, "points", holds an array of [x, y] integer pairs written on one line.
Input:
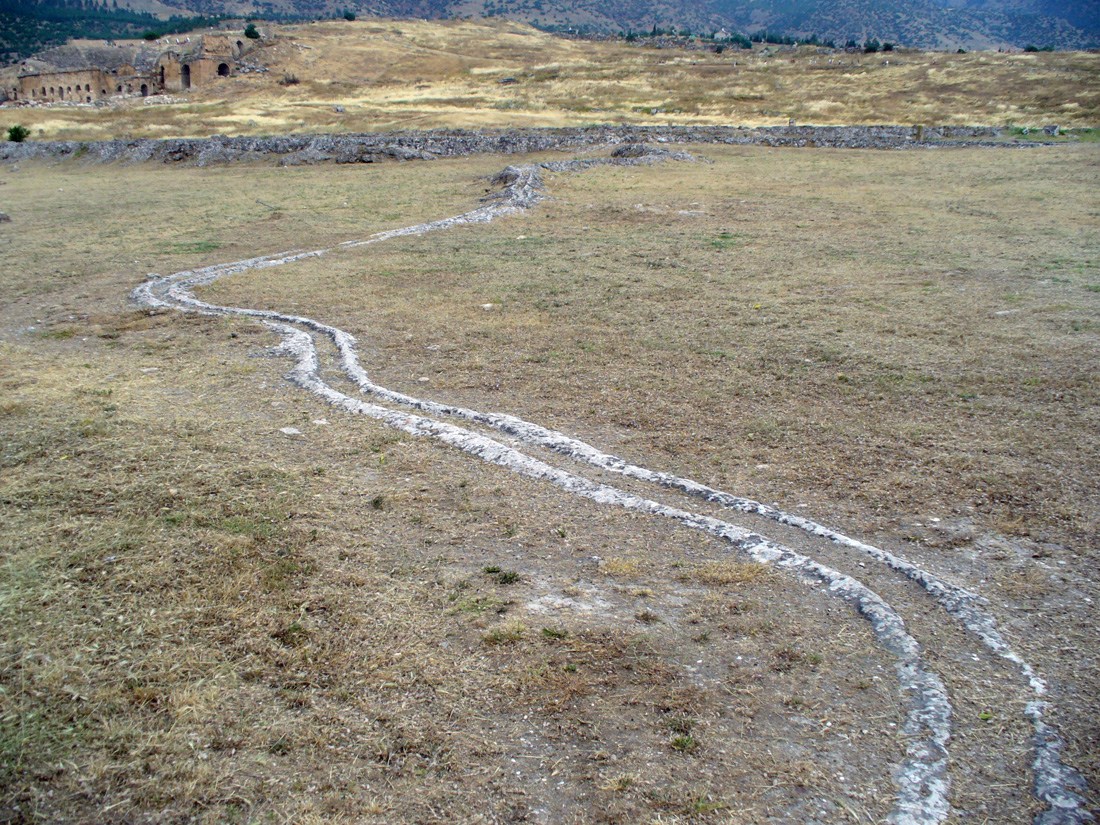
{"points": [[922, 781]]}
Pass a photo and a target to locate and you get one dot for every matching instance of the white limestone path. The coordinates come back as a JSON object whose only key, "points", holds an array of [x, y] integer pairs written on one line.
{"points": [[922, 780]]}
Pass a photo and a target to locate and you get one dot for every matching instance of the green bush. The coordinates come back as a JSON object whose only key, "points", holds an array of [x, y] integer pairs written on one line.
{"points": [[250, 32], [17, 133], [349, 16]]}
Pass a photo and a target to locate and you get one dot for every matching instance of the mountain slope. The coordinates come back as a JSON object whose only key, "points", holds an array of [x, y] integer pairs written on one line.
{"points": [[931, 24]]}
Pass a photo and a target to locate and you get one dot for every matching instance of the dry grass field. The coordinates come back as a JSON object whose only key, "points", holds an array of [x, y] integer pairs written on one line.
{"points": [[206, 619], [415, 75]]}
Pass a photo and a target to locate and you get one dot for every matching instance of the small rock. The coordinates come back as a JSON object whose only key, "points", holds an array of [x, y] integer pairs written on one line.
{"points": [[289, 431], [338, 109], [487, 306], [320, 422], [5, 218]]}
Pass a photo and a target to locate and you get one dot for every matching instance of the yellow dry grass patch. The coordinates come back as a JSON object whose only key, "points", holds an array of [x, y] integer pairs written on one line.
{"points": [[417, 74], [725, 573]]}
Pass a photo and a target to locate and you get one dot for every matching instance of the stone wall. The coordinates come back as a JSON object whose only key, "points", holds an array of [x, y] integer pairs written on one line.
{"points": [[82, 86], [368, 148]]}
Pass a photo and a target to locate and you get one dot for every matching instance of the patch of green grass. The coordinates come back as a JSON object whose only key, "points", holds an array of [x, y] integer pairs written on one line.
{"points": [[505, 634], [501, 576], [724, 240], [684, 743], [195, 247], [705, 805], [59, 334], [254, 527]]}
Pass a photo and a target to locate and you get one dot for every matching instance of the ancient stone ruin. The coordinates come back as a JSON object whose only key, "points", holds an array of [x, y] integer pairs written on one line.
{"points": [[90, 73]]}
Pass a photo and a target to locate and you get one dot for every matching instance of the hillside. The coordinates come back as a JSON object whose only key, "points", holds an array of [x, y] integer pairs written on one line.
{"points": [[340, 77], [928, 24]]}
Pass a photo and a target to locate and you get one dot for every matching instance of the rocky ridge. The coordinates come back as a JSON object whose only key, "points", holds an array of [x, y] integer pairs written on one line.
{"points": [[426, 145]]}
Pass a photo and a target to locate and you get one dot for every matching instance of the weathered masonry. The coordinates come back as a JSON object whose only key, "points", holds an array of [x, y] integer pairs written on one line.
{"points": [[88, 73]]}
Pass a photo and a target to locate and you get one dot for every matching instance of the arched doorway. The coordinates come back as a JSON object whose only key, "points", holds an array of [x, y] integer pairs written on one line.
{"points": [[162, 77], [223, 70], [144, 90], [185, 77]]}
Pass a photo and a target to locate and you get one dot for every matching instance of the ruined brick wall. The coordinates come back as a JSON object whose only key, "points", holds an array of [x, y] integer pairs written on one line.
{"points": [[216, 56], [82, 86], [226, 45], [208, 69], [169, 73]]}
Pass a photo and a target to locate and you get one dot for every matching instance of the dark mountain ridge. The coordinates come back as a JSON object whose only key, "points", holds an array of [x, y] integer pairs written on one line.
{"points": [[926, 24]]}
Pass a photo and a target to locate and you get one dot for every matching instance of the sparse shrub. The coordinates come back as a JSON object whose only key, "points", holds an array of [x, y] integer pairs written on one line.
{"points": [[251, 32], [289, 79], [18, 133], [887, 47], [349, 16], [871, 46]]}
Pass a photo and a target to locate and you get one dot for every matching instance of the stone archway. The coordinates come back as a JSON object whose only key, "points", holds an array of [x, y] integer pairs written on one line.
{"points": [[223, 70], [144, 90], [185, 77]]}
